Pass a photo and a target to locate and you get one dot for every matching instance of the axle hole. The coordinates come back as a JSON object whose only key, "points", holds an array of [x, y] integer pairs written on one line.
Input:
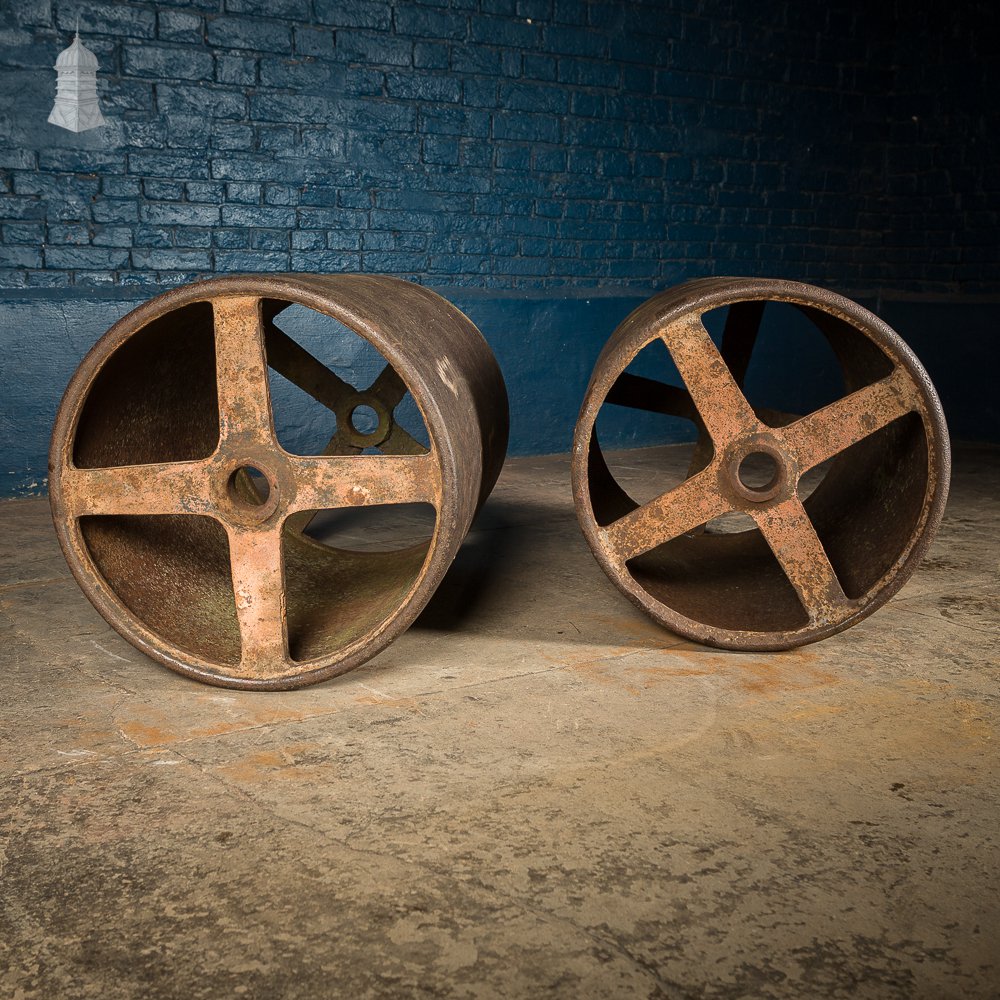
{"points": [[364, 419], [249, 486], [759, 472]]}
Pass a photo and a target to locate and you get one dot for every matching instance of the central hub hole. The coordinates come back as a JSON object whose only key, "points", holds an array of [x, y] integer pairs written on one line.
{"points": [[364, 419], [759, 471], [249, 486]]}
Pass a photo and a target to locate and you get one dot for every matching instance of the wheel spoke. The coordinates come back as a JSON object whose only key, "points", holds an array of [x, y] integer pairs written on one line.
{"points": [[241, 372], [793, 540], [170, 488], [258, 587], [832, 429], [364, 480], [740, 336], [718, 398], [291, 360], [677, 511], [389, 388], [640, 393], [400, 442], [738, 339]]}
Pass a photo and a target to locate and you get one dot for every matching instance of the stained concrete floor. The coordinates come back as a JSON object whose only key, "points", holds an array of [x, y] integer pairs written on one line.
{"points": [[534, 792]]}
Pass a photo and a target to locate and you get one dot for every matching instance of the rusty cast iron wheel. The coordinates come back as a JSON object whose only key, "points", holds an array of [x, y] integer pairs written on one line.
{"points": [[182, 517], [809, 564]]}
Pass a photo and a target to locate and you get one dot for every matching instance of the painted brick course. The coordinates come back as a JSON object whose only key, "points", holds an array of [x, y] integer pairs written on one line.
{"points": [[506, 143]]}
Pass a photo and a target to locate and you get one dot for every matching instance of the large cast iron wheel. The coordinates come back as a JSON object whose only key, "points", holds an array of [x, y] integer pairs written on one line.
{"points": [[182, 517], [811, 564]]}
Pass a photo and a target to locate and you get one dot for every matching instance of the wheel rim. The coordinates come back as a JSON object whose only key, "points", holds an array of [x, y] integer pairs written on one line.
{"points": [[892, 421], [106, 514]]}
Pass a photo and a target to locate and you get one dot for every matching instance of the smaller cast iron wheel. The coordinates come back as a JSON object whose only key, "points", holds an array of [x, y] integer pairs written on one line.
{"points": [[182, 517], [813, 563]]}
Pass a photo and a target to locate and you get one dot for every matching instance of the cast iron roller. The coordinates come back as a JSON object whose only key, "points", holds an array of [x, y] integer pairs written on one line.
{"points": [[183, 518]]}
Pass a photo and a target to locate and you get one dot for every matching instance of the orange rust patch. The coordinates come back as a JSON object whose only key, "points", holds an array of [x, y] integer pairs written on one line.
{"points": [[153, 727], [281, 764]]}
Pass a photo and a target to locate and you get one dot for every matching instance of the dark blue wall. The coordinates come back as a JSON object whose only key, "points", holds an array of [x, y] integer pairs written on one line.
{"points": [[586, 152]]}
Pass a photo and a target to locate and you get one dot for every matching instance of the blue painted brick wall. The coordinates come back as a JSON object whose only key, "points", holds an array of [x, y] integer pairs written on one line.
{"points": [[509, 144]]}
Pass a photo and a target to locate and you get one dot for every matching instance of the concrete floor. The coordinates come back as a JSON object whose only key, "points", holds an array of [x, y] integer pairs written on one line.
{"points": [[534, 792]]}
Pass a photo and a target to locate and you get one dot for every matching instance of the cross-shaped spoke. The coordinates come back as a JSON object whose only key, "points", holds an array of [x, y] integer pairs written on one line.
{"points": [[241, 373], [296, 364], [389, 387], [364, 480], [674, 513], [834, 428], [255, 557], [167, 488], [793, 540], [718, 398]]}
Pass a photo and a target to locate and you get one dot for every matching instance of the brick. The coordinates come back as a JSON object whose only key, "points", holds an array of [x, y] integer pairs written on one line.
{"points": [[17, 159], [243, 193], [187, 131], [389, 262], [302, 73], [230, 239], [480, 59], [424, 87], [431, 55], [35, 13], [254, 35], [504, 32], [372, 49], [317, 42], [120, 187], [73, 258], [152, 236], [20, 256], [243, 168], [269, 239], [278, 194], [441, 151], [185, 214], [239, 70], [533, 97], [117, 20], [308, 239], [209, 101], [258, 215], [192, 236], [354, 13], [378, 116], [232, 137], [29, 233], [81, 161], [511, 157], [101, 278], [424, 22], [163, 190], [519, 125], [265, 107], [107, 210], [575, 41], [167, 165], [292, 9], [179, 26], [326, 261], [171, 260], [539, 67], [162, 62], [206, 191]]}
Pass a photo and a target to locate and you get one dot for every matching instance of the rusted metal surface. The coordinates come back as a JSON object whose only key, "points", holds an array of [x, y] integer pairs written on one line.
{"points": [[815, 562], [181, 516]]}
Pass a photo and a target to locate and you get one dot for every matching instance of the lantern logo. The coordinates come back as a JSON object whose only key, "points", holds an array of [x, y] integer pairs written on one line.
{"points": [[76, 106]]}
